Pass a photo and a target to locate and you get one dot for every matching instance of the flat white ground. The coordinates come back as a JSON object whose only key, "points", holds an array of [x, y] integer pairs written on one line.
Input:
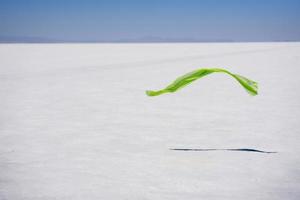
{"points": [[76, 124]]}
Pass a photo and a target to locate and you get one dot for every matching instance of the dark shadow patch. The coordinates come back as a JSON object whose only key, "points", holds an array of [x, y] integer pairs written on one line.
{"points": [[242, 149]]}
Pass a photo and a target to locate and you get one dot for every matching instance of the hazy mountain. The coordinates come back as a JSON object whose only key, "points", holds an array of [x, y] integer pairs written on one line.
{"points": [[26, 39], [154, 39]]}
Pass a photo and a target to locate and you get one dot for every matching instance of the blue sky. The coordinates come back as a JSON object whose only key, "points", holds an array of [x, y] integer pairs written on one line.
{"points": [[105, 20]]}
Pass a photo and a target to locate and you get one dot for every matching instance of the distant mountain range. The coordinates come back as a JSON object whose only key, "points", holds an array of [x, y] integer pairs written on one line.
{"points": [[148, 39], [155, 39], [25, 39]]}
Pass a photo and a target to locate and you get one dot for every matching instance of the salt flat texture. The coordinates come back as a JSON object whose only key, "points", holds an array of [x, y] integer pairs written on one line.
{"points": [[75, 122]]}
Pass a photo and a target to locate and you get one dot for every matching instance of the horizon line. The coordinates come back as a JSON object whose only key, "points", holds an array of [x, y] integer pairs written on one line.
{"points": [[147, 39]]}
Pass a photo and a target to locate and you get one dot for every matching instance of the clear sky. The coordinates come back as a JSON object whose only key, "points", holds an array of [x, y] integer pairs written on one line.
{"points": [[239, 20]]}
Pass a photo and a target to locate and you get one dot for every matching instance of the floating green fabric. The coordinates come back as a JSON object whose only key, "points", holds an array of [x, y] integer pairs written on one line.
{"points": [[250, 86]]}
